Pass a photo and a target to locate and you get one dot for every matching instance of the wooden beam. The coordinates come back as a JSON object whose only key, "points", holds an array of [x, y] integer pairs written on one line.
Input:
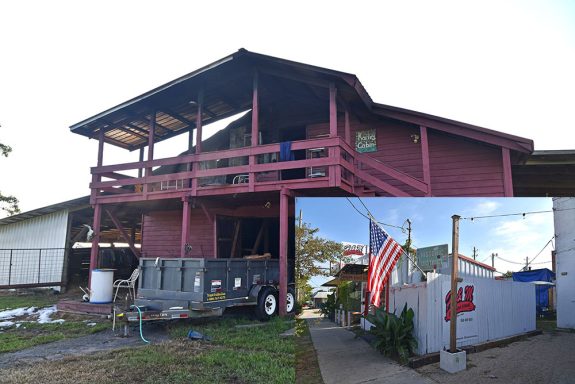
{"points": [[255, 128], [235, 239], [95, 242], [299, 78], [186, 215], [507, 176], [425, 158], [347, 134], [123, 232], [177, 116], [454, 280], [332, 110], [283, 251], [100, 147], [259, 237], [199, 122]]}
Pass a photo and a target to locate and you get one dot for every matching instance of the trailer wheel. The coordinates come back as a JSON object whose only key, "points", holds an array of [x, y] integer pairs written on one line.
{"points": [[290, 298], [267, 304]]}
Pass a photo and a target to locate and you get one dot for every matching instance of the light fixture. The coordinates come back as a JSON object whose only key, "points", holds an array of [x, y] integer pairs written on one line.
{"points": [[415, 138]]}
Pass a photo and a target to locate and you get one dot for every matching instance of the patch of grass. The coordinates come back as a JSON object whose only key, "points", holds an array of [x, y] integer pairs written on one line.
{"points": [[12, 301], [235, 355], [31, 334], [546, 325], [307, 366]]}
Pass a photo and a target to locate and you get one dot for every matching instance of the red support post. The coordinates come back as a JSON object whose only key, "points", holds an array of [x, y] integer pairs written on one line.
{"points": [[255, 130], [95, 242], [151, 135], [347, 135], [507, 176], [284, 224], [186, 214], [199, 122], [425, 158], [332, 110]]}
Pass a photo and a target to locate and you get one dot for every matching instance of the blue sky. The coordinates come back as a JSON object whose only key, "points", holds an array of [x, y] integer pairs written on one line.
{"points": [[513, 237]]}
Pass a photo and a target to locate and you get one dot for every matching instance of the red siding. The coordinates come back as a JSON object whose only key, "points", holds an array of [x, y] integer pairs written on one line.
{"points": [[464, 168], [162, 234]]}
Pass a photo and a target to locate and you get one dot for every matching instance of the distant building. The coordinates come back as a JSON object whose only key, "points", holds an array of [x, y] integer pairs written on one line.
{"points": [[320, 297]]}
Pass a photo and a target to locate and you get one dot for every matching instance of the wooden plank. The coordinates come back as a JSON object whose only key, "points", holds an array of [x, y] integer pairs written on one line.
{"points": [[283, 251], [425, 159], [123, 233], [185, 235], [507, 177]]}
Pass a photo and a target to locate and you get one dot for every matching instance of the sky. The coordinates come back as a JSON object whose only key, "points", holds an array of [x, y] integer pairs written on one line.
{"points": [[512, 238], [503, 65]]}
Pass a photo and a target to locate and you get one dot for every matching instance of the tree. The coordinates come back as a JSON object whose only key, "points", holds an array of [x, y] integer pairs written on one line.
{"points": [[8, 203], [312, 252]]}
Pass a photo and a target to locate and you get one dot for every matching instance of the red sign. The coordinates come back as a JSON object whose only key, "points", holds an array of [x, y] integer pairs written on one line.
{"points": [[464, 304], [353, 249]]}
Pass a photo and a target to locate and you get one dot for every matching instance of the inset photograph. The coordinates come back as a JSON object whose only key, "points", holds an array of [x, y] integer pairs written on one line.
{"points": [[382, 279]]}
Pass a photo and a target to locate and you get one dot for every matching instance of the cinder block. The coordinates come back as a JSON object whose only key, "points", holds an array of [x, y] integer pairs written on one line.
{"points": [[452, 362]]}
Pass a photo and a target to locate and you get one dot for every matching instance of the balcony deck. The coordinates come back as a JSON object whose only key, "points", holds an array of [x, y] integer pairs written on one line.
{"points": [[340, 167]]}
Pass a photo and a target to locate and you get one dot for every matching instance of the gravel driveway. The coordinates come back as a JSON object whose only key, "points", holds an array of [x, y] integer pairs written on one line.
{"points": [[547, 358]]}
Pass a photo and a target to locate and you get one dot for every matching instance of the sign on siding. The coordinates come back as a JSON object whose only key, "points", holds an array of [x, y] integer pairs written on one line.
{"points": [[430, 258], [365, 141], [467, 330]]}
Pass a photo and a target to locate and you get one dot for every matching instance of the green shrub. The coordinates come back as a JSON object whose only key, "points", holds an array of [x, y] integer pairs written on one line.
{"points": [[394, 335], [328, 308]]}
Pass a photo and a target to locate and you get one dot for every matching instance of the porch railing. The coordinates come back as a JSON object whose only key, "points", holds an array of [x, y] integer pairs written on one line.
{"points": [[248, 169]]}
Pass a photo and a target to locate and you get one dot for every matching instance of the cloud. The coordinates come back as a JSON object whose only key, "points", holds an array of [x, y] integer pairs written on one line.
{"points": [[484, 208]]}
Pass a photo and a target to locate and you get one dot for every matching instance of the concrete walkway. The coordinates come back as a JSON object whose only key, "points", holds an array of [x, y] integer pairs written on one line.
{"points": [[343, 358]]}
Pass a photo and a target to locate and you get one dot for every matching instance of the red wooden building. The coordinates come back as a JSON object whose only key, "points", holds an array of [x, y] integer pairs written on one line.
{"points": [[306, 131]]}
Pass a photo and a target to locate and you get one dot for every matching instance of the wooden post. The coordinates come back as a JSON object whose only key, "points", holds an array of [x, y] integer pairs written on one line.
{"points": [[454, 280], [141, 159], [95, 242], [151, 135], [199, 122], [186, 214], [100, 147], [284, 225], [347, 135], [425, 158], [255, 129], [332, 110], [507, 176]]}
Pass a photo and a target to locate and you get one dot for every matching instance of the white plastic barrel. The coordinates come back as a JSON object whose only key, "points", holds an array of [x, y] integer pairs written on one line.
{"points": [[102, 286]]}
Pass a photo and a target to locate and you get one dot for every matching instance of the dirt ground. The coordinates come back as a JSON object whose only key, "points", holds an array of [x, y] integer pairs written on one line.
{"points": [[547, 358]]}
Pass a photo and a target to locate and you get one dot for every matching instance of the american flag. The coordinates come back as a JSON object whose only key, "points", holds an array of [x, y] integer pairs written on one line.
{"points": [[384, 252]]}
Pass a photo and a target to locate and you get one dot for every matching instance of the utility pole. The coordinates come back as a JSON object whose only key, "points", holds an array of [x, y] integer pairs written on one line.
{"points": [[454, 281], [406, 275], [526, 263], [493, 259], [300, 217], [475, 253]]}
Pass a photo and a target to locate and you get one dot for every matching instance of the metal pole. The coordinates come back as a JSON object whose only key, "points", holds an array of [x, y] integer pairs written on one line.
{"points": [[453, 302], [10, 267], [39, 263]]}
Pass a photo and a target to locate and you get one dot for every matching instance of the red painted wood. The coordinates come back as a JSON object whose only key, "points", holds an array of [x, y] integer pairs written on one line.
{"points": [[347, 128], [199, 122], [507, 178], [284, 224], [464, 168], [151, 137], [425, 158], [162, 234], [95, 242], [332, 110], [100, 147], [186, 212], [141, 158]]}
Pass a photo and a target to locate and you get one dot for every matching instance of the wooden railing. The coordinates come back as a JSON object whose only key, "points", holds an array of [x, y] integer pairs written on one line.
{"points": [[344, 167]]}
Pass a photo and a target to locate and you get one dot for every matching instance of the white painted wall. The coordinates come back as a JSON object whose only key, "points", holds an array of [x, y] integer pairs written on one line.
{"points": [[503, 308], [21, 241], [564, 221]]}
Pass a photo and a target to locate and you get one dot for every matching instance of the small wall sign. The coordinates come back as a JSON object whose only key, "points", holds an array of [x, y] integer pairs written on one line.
{"points": [[365, 141]]}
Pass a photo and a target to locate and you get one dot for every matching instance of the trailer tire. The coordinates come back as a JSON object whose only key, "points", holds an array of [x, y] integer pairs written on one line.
{"points": [[290, 299], [267, 304]]}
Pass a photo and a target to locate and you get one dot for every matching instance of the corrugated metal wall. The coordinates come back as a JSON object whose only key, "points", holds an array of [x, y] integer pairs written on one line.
{"points": [[32, 251], [47, 231]]}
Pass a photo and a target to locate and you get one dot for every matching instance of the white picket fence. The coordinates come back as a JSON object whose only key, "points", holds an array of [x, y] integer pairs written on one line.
{"points": [[502, 309]]}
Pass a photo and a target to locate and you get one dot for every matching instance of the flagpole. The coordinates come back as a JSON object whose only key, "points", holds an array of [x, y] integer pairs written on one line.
{"points": [[367, 292]]}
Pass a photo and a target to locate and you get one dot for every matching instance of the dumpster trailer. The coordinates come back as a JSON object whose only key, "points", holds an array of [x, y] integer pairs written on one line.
{"points": [[180, 288]]}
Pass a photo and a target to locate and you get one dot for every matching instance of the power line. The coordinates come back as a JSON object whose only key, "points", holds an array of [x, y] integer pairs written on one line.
{"points": [[367, 217], [542, 249], [471, 218]]}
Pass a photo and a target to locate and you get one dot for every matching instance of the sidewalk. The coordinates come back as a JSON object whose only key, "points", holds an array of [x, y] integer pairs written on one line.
{"points": [[343, 358]]}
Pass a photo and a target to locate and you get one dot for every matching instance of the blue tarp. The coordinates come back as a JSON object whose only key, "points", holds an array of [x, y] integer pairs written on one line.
{"points": [[541, 291]]}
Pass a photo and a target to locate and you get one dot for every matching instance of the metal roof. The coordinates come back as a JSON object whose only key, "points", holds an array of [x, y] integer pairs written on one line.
{"points": [[74, 204]]}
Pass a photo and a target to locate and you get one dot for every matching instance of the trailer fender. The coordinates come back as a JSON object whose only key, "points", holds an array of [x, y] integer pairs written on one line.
{"points": [[255, 290]]}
